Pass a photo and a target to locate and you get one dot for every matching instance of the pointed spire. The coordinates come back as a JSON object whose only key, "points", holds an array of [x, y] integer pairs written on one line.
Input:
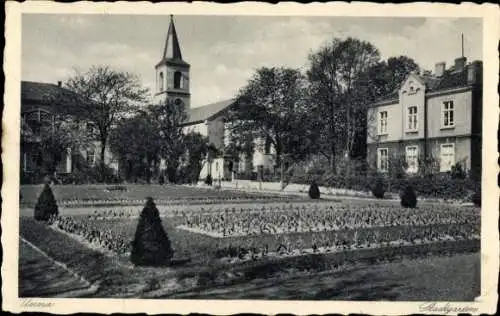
{"points": [[172, 48]]}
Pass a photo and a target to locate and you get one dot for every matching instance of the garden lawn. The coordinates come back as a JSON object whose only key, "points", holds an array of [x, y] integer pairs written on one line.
{"points": [[139, 193], [437, 278], [40, 277], [117, 278]]}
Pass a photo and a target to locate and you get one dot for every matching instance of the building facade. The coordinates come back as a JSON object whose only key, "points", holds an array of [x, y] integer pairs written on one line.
{"points": [[433, 118], [42, 104]]}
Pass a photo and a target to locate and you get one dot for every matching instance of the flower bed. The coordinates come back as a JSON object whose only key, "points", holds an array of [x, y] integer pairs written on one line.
{"points": [[86, 195], [320, 218], [284, 230]]}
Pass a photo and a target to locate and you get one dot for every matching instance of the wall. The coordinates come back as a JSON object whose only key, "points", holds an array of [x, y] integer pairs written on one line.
{"points": [[462, 115], [168, 77], [412, 93], [216, 132], [394, 126], [462, 149], [200, 128]]}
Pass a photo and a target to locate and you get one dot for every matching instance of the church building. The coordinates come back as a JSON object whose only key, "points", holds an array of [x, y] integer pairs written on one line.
{"points": [[172, 82]]}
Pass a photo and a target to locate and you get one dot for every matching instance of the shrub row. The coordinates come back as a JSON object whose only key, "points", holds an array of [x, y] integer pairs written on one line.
{"points": [[430, 186]]}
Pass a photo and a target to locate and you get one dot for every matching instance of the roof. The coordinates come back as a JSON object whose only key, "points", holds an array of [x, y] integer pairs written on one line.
{"points": [[36, 94], [449, 80], [203, 113], [172, 50]]}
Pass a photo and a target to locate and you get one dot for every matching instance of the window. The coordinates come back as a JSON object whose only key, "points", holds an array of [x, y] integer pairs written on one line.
{"points": [[447, 157], [177, 80], [382, 126], [448, 114], [383, 159], [31, 161], [91, 155], [33, 121], [412, 159], [170, 79], [412, 123], [161, 82]]}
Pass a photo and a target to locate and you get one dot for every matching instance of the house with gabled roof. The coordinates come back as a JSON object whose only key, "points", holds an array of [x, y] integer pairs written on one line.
{"points": [[41, 105], [431, 117]]}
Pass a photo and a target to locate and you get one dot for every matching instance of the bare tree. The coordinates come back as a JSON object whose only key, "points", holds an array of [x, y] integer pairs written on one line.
{"points": [[105, 95]]}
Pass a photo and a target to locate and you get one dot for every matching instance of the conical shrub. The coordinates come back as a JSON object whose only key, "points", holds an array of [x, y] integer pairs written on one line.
{"points": [[314, 191], [408, 197], [46, 205], [208, 180], [151, 246]]}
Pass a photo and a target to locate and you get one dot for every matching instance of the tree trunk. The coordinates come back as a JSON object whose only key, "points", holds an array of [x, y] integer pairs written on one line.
{"points": [[102, 156], [333, 165]]}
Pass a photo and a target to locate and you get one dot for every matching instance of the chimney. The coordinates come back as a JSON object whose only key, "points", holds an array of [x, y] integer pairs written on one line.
{"points": [[440, 67], [460, 63], [426, 73], [474, 73], [59, 83]]}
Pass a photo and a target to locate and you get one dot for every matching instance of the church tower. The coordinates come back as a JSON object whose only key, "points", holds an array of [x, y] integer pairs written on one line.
{"points": [[172, 72]]}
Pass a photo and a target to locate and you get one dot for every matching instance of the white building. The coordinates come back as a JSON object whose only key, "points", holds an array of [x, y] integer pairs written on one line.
{"points": [[172, 82]]}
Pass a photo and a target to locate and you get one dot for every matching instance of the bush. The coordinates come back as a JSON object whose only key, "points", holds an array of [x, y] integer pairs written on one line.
{"points": [[458, 172], [409, 197], [314, 191], [476, 198], [208, 180], [46, 206], [378, 188], [151, 246]]}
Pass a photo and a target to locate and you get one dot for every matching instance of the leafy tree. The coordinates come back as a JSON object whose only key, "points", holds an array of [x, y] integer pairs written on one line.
{"points": [[105, 95], [56, 140], [334, 70], [385, 77], [196, 149], [137, 144], [167, 120], [272, 108]]}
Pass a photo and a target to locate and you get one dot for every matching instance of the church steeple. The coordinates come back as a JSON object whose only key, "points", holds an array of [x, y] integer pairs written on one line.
{"points": [[172, 72], [172, 48]]}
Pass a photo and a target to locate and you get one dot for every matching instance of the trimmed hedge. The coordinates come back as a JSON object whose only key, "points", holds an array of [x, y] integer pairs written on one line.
{"points": [[46, 206], [314, 191], [440, 186], [378, 188], [151, 245], [408, 197]]}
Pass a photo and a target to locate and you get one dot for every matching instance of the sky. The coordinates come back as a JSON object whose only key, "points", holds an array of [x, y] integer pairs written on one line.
{"points": [[224, 51]]}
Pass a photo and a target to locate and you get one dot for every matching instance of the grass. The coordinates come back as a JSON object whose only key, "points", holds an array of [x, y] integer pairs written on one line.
{"points": [[362, 274], [133, 192], [437, 278], [40, 277], [117, 278]]}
